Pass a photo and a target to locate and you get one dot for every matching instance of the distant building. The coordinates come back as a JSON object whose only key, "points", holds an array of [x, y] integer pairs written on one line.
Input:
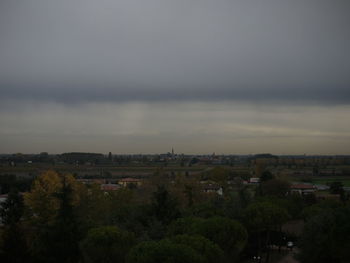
{"points": [[130, 181], [82, 158], [212, 188], [303, 189], [254, 180], [92, 181], [3, 198], [110, 187]]}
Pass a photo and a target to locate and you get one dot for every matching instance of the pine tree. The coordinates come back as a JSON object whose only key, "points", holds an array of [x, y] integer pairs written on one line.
{"points": [[14, 247], [64, 232]]}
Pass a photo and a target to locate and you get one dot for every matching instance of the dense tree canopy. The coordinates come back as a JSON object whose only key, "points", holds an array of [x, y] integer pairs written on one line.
{"points": [[168, 219], [107, 244], [229, 234], [163, 251], [208, 249], [326, 237]]}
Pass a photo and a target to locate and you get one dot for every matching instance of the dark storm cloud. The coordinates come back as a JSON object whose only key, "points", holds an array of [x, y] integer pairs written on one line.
{"points": [[156, 50]]}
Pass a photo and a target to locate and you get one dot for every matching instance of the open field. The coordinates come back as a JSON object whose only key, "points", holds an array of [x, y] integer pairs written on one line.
{"points": [[322, 180], [344, 179], [131, 170]]}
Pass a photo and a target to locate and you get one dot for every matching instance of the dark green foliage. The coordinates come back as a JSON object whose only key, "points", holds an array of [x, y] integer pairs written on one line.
{"points": [[184, 225], [263, 216], [58, 241], [9, 181], [218, 174], [163, 251], [11, 210], [326, 206], [229, 234], [236, 202], [14, 248], [336, 188], [107, 244], [164, 206], [88, 225], [208, 249], [266, 176], [64, 233], [293, 204], [275, 187], [326, 237]]}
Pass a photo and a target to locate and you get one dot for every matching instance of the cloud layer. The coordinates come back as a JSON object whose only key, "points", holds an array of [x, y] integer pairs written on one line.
{"points": [[131, 76], [86, 51]]}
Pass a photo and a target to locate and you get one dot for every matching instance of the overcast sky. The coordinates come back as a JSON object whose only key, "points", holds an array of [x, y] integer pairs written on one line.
{"points": [[142, 76]]}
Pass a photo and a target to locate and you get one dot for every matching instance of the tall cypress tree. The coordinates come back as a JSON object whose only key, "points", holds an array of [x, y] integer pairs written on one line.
{"points": [[14, 247], [64, 232]]}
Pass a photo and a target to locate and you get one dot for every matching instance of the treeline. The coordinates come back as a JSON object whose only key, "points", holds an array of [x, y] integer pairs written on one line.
{"points": [[61, 220], [11, 181]]}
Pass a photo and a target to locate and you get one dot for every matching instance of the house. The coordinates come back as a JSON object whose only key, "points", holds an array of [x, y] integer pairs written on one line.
{"points": [[254, 180], [92, 181], [212, 188], [302, 189], [3, 198], [130, 182], [110, 187]]}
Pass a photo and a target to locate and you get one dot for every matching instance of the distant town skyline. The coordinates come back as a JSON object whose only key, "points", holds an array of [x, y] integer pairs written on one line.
{"points": [[142, 76]]}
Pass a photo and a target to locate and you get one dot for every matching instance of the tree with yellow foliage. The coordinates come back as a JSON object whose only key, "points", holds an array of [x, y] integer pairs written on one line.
{"points": [[41, 202], [51, 212]]}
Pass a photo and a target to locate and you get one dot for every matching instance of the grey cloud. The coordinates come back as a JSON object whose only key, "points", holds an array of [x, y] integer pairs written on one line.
{"points": [[156, 50]]}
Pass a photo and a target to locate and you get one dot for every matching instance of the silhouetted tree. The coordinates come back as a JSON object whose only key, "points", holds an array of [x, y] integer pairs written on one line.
{"points": [[326, 237], [266, 176], [107, 244], [14, 247], [164, 206], [163, 251], [64, 232]]}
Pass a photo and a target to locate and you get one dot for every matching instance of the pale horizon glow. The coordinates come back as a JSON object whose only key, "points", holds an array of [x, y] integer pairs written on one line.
{"points": [[189, 127]]}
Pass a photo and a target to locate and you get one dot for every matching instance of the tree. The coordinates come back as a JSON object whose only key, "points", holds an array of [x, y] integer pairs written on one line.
{"points": [[11, 210], [164, 206], [275, 187], [219, 175], [325, 206], [266, 175], [163, 251], [261, 218], [184, 225], [326, 237], [7, 181], [107, 244], [236, 202], [228, 234], [187, 189], [42, 200], [52, 219], [337, 188], [64, 233], [14, 247], [208, 249]]}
